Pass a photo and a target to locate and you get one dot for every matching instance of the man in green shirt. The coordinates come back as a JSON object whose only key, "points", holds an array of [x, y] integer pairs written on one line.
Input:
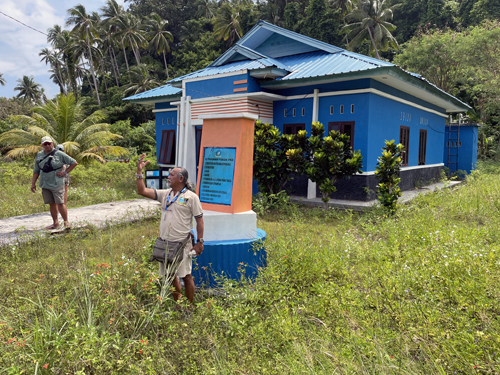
{"points": [[52, 179]]}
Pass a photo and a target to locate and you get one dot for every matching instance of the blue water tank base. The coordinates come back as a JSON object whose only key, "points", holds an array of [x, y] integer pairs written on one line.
{"points": [[231, 259]]}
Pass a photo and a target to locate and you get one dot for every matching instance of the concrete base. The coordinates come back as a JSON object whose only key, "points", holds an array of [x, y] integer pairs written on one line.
{"points": [[220, 226]]}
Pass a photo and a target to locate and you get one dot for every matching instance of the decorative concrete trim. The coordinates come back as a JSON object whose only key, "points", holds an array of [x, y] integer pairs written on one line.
{"points": [[370, 173], [229, 115], [250, 95], [164, 110]]}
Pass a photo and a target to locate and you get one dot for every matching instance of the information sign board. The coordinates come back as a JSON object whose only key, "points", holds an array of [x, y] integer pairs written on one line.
{"points": [[217, 175]]}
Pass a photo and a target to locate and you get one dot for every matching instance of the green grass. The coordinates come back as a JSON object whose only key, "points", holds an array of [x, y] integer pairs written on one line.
{"points": [[345, 293], [93, 184]]}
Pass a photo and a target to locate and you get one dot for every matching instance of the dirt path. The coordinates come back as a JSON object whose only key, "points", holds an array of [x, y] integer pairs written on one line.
{"points": [[20, 228]]}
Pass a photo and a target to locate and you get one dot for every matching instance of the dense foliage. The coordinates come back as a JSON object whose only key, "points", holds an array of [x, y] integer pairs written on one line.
{"points": [[387, 171], [465, 64], [271, 167], [106, 55], [325, 160]]}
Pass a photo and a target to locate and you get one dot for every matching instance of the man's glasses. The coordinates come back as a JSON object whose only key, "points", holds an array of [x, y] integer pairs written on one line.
{"points": [[47, 143]]}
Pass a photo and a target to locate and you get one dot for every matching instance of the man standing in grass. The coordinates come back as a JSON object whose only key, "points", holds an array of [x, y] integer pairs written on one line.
{"points": [[48, 166], [179, 205]]}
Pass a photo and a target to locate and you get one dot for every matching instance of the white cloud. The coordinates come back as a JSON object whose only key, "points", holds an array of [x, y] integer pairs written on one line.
{"points": [[20, 45]]}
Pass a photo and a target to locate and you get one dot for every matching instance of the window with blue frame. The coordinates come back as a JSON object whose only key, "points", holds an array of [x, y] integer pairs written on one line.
{"points": [[167, 147], [344, 127]]}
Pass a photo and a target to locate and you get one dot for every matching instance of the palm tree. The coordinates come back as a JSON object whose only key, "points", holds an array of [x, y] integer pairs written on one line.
{"points": [[345, 6], [62, 41], [2, 80], [227, 24], [158, 37], [141, 80], [370, 21], [85, 28], [109, 14], [80, 52], [130, 34], [204, 8], [29, 90], [63, 119], [53, 59]]}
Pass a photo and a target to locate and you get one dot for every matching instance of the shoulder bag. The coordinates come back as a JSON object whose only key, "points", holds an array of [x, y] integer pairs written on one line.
{"points": [[169, 251]]}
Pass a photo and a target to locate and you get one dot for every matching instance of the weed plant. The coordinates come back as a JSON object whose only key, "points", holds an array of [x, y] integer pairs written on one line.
{"points": [[347, 293], [91, 184]]}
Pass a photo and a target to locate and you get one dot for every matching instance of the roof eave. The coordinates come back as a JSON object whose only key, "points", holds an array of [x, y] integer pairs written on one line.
{"points": [[282, 84], [268, 73], [421, 84], [456, 105], [154, 99]]}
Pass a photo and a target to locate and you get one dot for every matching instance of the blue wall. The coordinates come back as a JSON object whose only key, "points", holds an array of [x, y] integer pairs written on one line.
{"points": [[279, 113], [359, 116], [221, 86], [376, 119], [385, 122]]}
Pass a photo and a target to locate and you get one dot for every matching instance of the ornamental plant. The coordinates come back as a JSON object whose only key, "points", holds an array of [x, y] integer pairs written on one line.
{"points": [[325, 160], [387, 171], [271, 167]]}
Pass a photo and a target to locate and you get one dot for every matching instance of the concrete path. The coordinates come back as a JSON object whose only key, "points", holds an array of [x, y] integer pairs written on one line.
{"points": [[101, 215], [364, 205]]}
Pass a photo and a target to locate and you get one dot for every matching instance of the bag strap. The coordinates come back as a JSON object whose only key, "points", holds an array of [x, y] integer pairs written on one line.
{"points": [[51, 153]]}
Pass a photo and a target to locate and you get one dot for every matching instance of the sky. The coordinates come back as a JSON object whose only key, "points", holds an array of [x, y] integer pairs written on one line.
{"points": [[20, 45]]}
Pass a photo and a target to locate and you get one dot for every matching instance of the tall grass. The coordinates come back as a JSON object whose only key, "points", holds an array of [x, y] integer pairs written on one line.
{"points": [[92, 184], [345, 293]]}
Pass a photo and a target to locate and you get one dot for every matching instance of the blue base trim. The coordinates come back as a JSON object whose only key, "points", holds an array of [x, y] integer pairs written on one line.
{"points": [[223, 258]]}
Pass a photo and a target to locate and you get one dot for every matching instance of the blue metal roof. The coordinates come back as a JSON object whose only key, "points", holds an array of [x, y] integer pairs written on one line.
{"points": [[312, 64], [166, 90], [320, 63], [232, 67]]}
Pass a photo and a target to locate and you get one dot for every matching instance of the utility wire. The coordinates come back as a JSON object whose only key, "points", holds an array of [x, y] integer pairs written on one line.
{"points": [[29, 27]]}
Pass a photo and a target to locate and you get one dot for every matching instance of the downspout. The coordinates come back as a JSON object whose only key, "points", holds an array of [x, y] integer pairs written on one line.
{"points": [[311, 186], [187, 124], [179, 114], [180, 150]]}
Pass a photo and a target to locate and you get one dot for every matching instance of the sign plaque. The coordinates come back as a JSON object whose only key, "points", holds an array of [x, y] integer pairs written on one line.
{"points": [[217, 175]]}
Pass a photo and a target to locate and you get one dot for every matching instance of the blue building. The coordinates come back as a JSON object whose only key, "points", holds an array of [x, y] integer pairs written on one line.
{"points": [[290, 80]]}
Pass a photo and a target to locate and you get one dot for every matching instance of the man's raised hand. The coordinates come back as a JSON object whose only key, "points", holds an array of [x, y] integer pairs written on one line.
{"points": [[141, 164]]}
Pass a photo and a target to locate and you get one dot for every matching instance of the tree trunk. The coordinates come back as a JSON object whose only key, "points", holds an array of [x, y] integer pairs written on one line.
{"points": [[60, 80], [93, 72], [137, 58], [165, 60], [111, 55], [126, 62], [373, 43]]}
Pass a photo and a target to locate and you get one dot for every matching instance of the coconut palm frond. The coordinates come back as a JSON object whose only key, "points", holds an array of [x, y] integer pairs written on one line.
{"points": [[29, 151]]}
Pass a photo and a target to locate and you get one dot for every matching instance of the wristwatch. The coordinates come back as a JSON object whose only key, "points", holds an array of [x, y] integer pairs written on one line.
{"points": [[139, 175], [200, 240]]}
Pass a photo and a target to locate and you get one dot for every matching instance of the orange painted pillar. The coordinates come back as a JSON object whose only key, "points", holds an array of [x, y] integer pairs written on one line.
{"points": [[229, 133]]}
